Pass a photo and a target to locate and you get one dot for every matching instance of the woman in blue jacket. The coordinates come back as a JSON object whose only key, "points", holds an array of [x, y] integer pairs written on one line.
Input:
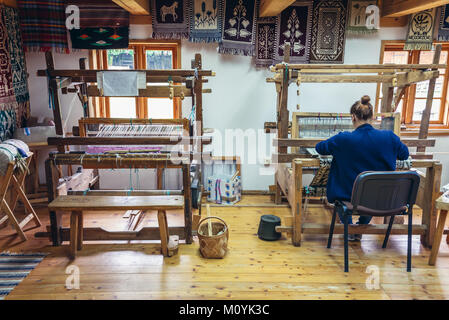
{"points": [[364, 149]]}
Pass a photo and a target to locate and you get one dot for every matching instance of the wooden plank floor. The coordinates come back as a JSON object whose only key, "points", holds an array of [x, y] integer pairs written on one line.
{"points": [[253, 269]]}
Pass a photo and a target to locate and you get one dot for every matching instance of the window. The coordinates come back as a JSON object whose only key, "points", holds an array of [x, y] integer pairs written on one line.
{"points": [[413, 102], [140, 55]]}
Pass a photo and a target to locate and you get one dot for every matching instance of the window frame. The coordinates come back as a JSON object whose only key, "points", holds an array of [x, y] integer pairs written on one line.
{"points": [[409, 97], [98, 60]]}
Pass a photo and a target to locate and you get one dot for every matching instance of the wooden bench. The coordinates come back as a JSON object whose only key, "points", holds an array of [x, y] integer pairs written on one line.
{"points": [[77, 204]]}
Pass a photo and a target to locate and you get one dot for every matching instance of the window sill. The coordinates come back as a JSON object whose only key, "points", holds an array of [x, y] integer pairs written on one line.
{"points": [[432, 132]]}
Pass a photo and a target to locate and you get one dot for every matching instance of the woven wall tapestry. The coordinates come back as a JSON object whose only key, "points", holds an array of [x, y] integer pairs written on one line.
{"points": [[102, 26], [18, 65], [170, 19], [100, 38], [239, 26], [206, 20], [328, 31], [420, 30], [357, 17], [102, 15], [443, 30], [266, 38], [43, 25], [8, 103], [294, 28]]}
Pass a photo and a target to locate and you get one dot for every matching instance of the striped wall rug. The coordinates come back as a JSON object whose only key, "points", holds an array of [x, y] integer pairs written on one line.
{"points": [[14, 267]]}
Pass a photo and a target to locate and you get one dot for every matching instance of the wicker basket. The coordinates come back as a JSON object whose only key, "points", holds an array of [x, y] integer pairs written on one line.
{"points": [[215, 246]]}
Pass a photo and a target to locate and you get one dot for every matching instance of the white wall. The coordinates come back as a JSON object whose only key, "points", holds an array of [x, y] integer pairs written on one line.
{"points": [[240, 96]]}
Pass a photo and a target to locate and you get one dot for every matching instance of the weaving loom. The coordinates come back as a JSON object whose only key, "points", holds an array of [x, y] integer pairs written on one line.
{"points": [[108, 143], [305, 130]]}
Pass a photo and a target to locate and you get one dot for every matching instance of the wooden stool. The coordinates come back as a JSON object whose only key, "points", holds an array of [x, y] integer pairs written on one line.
{"points": [[77, 204], [442, 203], [17, 181]]}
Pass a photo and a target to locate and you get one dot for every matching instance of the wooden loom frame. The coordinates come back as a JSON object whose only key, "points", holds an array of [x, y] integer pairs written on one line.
{"points": [[189, 84], [288, 181]]}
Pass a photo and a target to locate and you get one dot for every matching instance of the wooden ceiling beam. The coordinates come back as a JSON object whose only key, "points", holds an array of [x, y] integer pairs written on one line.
{"points": [[9, 3], [135, 7], [399, 8], [270, 8]]}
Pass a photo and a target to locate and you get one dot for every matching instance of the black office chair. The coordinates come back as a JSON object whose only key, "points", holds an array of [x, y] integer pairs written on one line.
{"points": [[379, 194]]}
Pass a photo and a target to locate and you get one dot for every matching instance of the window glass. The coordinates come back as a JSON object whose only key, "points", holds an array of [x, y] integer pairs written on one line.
{"points": [[159, 108], [121, 107]]}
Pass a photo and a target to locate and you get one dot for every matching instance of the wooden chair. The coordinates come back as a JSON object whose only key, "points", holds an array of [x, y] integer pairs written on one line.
{"points": [[380, 194], [16, 181]]}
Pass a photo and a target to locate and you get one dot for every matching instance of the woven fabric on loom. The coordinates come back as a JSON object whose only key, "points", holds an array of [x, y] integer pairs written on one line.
{"points": [[357, 16], [206, 20], [443, 27], [420, 30], [239, 28], [328, 31], [170, 19], [266, 38], [294, 28], [43, 25], [18, 65]]}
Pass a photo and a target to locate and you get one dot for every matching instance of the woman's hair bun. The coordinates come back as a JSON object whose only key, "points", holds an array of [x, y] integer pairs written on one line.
{"points": [[365, 100]]}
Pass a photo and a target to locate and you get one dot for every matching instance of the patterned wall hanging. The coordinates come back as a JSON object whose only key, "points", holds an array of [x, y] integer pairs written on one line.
{"points": [[357, 16], [328, 31], [18, 65], [170, 19], [266, 38], [206, 20], [294, 28], [102, 15], [8, 103], [420, 30], [443, 30], [239, 25], [102, 26], [43, 25], [100, 38]]}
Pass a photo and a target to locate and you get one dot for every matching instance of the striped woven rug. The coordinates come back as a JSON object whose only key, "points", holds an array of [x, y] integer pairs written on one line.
{"points": [[14, 267]]}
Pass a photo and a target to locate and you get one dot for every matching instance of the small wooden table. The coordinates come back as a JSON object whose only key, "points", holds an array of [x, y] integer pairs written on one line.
{"points": [[77, 204], [442, 203]]}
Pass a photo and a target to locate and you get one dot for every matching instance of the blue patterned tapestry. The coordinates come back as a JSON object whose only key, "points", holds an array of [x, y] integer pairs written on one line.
{"points": [[266, 38], [328, 31], [239, 27], [170, 19], [205, 20], [443, 30], [294, 28]]}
